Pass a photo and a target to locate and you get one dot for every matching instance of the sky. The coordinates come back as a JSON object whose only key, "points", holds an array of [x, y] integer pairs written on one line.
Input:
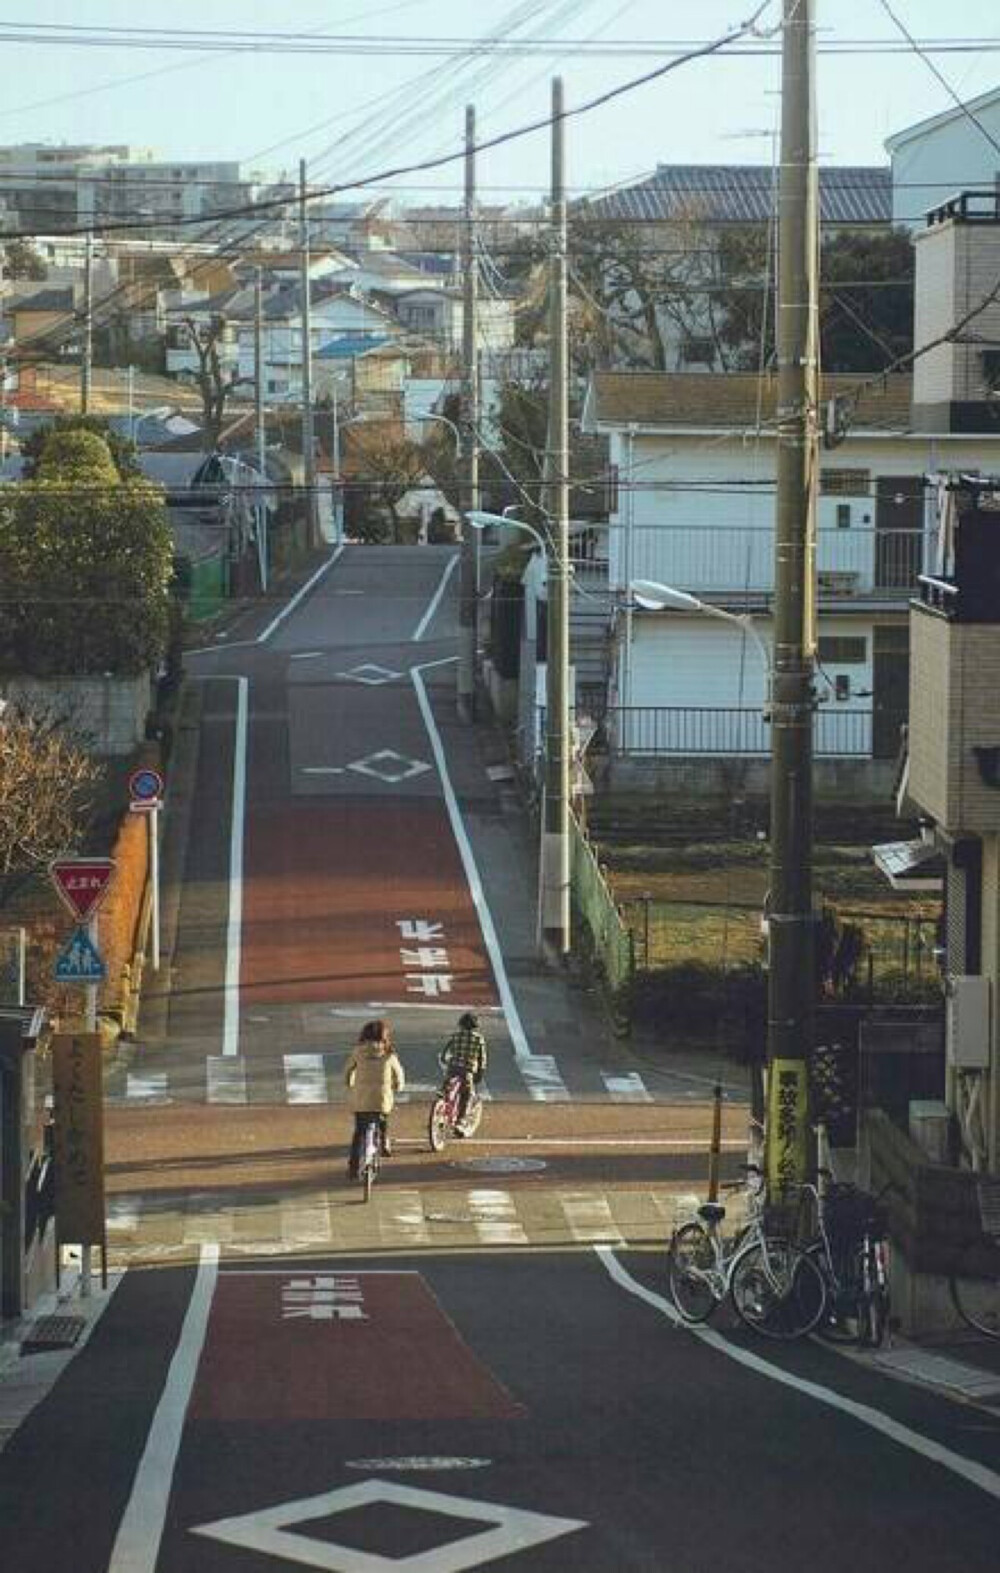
{"points": [[355, 115]]}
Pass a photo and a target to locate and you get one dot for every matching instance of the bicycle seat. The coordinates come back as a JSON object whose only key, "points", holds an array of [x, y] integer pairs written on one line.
{"points": [[712, 1212]]}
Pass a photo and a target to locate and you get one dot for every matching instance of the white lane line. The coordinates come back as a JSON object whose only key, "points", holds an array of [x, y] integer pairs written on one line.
{"points": [[541, 1075], [589, 1218], [628, 1088], [305, 1079], [681, 1143], [495, 1218], [307, 655], [147, 1086], [515, 1027], [425, 621], [234, 932], [286, 611], [322, 770], [967, 1469], [137, 1544], [227, 1079]]}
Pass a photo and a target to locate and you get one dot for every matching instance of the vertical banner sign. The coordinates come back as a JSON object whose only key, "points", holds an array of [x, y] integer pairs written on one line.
{"points": [[79, 1138], [787, 1125]]}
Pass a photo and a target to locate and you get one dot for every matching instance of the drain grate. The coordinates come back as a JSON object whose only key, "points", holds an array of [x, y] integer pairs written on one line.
{"points": [[52, 1332]]}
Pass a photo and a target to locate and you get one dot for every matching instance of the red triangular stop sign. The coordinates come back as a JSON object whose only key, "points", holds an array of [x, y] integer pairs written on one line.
{"points": [[82, 883]]}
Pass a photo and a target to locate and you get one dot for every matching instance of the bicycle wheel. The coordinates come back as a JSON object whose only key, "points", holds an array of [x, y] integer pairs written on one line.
{"points": [[437, 1125], [473, 1118], [691, 1261], [777, 1290], [369, 1180], [975, 1287], [838, 1324]]}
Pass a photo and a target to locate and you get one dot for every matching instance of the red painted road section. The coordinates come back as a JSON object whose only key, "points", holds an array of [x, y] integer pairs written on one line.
{"points": [[326, 885], [308, 1345]]}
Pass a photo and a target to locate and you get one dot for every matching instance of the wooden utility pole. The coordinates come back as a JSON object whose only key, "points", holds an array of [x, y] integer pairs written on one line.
{"points": [[258, 414], [791, 981], [555, 849], [467, 627], [308, 437], [87, 351]]}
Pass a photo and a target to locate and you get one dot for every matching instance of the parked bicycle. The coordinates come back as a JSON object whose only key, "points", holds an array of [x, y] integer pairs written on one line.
{"points": [[849, 1242], [975, 1283], [774, 1287], [443, 1120], [371, 1155]]}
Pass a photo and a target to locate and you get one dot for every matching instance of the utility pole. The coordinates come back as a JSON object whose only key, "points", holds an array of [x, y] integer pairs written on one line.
{"points": [[791, 980], [555, 851], [258, 416], [467, 615], [308, 440], [87, 354]]}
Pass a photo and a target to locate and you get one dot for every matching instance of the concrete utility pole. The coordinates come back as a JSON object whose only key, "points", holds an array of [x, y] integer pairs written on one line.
{"points": [[258, 418], [87, 353], [555, 852], [467, 624], [308, 439], [791, 983]]}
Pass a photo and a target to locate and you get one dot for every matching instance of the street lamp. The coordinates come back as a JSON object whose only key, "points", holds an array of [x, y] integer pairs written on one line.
{"points": [[656, 597]]}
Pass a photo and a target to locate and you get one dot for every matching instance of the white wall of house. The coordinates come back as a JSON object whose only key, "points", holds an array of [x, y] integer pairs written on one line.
{"points": [[935, 159], [696, 510]]}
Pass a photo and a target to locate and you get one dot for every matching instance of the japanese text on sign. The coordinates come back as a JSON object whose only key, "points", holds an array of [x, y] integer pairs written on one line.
{"points": [[788, 1114], [79, 1137]]}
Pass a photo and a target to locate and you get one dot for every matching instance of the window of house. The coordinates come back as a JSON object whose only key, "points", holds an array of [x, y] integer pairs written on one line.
{"points": [[845, 483], [842, 650], [697, 350], [991, 369], [843, 516]]}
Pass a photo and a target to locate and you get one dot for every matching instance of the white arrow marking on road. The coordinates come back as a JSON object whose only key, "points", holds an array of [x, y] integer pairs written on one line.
{"points": [[515, 1529]]}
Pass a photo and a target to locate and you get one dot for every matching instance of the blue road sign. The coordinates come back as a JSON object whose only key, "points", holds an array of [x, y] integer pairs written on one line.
{"points": [[145, 785], [80, 961]]}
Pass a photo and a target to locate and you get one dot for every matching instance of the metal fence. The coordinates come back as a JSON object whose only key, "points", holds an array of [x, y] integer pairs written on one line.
{"points": [[609, 936], [716, 559], [725, 730]]}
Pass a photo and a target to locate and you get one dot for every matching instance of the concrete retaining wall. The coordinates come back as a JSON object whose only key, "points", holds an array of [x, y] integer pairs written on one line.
{"points": [[106, 715], [861, 781]]}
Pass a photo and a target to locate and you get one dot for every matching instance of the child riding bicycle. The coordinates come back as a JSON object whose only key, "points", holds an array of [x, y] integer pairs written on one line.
{"points": [[374, 1075], [464, 1056]]}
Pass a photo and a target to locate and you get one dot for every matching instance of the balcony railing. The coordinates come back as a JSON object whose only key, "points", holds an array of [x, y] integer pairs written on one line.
{"points": [[859, 561], [660, 730]]}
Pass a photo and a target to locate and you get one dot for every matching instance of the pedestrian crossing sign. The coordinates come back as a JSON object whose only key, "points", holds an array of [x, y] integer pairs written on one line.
{"points": [[80, 961]]}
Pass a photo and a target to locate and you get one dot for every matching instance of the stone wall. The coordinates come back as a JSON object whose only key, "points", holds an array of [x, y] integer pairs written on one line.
{"points": [[106, 715], [861, 781]]}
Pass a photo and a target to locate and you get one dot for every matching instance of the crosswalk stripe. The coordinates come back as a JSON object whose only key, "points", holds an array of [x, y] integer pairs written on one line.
{"points": [[406, 1223], [542, 1078], [589, 1218], [305, 1078], [122, 1214], [306, 1221], [494, 1215], [226, 1078], [149, 1086], [627, 1088]]}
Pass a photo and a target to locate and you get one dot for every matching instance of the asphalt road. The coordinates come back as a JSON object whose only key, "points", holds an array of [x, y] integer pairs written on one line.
{"points": [[479, 1368]]}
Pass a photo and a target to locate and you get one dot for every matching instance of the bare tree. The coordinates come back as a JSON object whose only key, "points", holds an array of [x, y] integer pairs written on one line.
{"points": [[45, 790], [390, 465], [215, 384]]}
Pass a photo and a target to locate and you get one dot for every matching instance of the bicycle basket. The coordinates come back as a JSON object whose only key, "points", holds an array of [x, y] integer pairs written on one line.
{"points": [[988, 1190], [851, 1213]]}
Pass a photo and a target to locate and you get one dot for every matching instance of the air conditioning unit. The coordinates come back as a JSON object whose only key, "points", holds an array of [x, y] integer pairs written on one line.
{"points": [[835, 581], [967, 1023]]}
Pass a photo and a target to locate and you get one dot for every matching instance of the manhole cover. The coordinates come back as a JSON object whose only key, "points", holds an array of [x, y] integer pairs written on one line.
{"points": [[52, 1332], [504, 1165]]}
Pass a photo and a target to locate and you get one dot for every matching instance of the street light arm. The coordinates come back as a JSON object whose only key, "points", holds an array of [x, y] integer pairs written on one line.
{"points": [[481, 521]]}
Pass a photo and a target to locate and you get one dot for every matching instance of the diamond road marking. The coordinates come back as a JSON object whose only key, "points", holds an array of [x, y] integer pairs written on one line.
{"points": [[515, 1529], [371, 674], [389, 766]]}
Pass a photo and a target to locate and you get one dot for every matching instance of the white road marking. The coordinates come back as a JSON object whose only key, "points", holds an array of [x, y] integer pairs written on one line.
{"points": [[322, 770], [234, 931], [589, 1218], [541, 1075], [286, 611], [512, 1530], [306, 655], [137, 1544], [407, 1218], [976, 1474], [495, 1217], [627, 1088], [425, 621], [514, 1024], [227, 1079], [306, 1222], [149, 1086], [680, 1143], [305, 1079]]}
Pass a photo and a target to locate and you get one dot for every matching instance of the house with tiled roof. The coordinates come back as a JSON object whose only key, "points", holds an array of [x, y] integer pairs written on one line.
{"points": [[692, 459], [850, 196]]}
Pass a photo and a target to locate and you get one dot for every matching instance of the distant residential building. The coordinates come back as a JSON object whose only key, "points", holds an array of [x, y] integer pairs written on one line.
{"points": [[936, 158]]}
